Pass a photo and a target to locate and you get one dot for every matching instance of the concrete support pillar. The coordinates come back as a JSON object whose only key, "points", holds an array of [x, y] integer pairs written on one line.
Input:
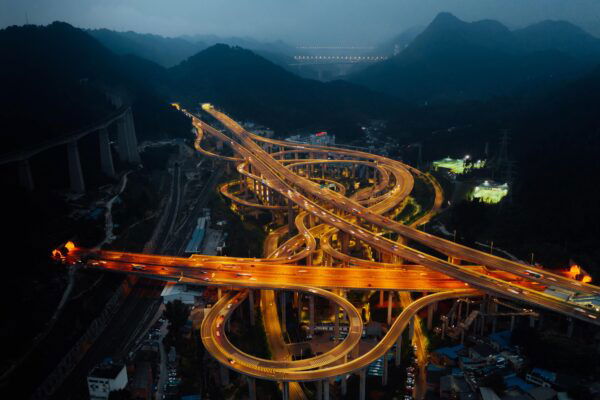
{"points": [[224, 375], [219, 293], [291, 216], [363, 384], [482, 310], [25, 176], [251, 388], [444, 323], [336, 327], [282, 300], [381, 298], [127, 140], [134, 153], [531, 321], [106, 160], [75, 172], [311, 314], [398, 355], [570, 327], [319, 386], [389, 308], [326, 389], [430, 316], [345, 238], [344, 385], [512, 323], [384, 377], [285, 390], [251, 306]]}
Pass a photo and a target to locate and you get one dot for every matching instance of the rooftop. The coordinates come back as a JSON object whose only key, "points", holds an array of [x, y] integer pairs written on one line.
{"points": [[107, 371]]}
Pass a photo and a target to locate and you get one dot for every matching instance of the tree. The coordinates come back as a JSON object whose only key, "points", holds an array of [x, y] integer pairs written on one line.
{"points": [[177, 314]]}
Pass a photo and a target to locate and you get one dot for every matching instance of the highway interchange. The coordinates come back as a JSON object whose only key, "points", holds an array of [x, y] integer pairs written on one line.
{"points": [[294, 180]]}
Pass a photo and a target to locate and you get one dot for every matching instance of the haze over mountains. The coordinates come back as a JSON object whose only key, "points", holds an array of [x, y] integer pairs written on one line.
{"points": [[455, 60]]}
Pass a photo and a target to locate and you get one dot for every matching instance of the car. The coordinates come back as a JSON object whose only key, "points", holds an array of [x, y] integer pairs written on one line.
{"points": [[533, 273], [137, 267]]}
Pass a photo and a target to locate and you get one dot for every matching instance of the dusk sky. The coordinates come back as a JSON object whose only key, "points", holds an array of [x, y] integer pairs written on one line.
{"points": [[297, 21]]}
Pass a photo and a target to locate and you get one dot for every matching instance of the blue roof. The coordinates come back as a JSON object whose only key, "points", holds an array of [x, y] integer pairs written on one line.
{"points": [[547, 375], [196, 240], [512, 381], [431, 367], [502, 338], [450, 352]]}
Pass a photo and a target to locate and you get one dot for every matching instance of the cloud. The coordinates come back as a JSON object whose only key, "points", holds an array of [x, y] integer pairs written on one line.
{"points": [[322, 21]]}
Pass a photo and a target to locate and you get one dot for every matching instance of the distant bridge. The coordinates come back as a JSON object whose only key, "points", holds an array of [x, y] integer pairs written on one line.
{"points": [[331, 59]]}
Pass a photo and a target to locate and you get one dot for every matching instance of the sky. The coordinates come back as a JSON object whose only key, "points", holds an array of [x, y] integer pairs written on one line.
{"points": [[300, 22]]}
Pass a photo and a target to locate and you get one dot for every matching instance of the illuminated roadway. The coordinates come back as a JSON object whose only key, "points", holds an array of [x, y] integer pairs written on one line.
{"points": [[271, 182]]}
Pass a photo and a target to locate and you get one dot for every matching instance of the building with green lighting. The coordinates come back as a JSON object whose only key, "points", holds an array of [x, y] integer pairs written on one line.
{"points": [[489, 192], [458, 166]]}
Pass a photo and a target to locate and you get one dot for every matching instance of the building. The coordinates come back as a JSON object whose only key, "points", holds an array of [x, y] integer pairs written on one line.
{"points": [[141, 384], [542, 393], [489, 192], [447, 355], [319, 138], [183, 293], [106, 378], [453, 387], [458, 166], [541, 377], [195, 243]]}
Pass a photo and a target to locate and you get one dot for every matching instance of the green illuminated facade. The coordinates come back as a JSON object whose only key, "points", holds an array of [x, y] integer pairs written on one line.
{"points": [[458, 166], [489, 192]]}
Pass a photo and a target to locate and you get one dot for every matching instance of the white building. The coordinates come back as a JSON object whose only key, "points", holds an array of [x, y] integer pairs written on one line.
{"points": [[183, 293], [105, 379]]}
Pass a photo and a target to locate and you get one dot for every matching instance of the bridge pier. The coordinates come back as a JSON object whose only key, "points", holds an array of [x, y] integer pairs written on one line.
{"points": [[75, 172], [127, 140], [285, 390], [251, 306], [25, 176], [251, 387], [430, 316], [319, 394], [363, 384], [106, 160], [282, 300], [311, 314], [570, 327], [389, 307], [398, 357], [326, 389], [512, 323], [384, 377], [291, 216], [224, 372]]}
